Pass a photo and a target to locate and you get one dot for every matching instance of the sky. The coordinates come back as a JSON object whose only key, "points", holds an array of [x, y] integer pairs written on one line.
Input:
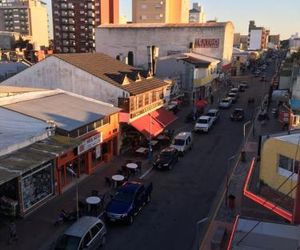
{"points": [[281, 17]]}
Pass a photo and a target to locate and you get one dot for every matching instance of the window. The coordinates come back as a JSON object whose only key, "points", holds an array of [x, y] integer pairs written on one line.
{"points": [[288, 164], [140, 101], [130, 58], [95, 230], [146, 98], [86, 239], [144, 6], [100, 226]]}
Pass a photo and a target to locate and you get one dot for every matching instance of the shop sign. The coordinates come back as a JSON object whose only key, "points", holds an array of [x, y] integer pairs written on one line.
{"points": [[90, 143], [207, 43]]}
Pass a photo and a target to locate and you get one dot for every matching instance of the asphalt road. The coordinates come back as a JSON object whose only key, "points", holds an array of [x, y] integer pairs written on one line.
{"points": [[185, 195]]}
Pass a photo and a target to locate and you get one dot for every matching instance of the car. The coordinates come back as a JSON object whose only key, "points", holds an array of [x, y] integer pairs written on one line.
{"points": [[233, 96], [182, 142], [166, 159], [203, 124], [225, 102], [234, 90], [128, 200], [214, 114], [238, 114], [243, 85], [86, 233]]}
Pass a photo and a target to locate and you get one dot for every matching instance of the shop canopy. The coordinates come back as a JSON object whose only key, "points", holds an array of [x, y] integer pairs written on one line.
{"points": [[148, 125], [163, 116], [200, 103]]}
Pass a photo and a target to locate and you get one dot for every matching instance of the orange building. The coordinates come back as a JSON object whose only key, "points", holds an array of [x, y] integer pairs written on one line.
{"points": [[109, 11]]}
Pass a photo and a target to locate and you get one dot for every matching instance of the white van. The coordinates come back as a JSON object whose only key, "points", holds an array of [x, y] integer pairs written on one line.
{"points": [[183, 142]]}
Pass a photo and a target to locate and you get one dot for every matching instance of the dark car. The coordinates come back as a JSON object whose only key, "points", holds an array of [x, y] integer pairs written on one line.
{"points": [[166, 159], [128, 200], [238, 114]]}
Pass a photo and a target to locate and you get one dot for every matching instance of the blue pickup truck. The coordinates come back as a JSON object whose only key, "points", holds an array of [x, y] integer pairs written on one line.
{"points": [[128, 201]]}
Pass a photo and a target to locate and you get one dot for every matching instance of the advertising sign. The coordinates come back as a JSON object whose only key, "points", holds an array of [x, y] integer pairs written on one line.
{"points": [[207, 43], [90, 143]]}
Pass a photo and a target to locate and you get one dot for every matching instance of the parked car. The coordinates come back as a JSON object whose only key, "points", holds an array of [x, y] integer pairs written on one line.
{"points": [[86, 233], [233, 96], [243, 86], [234, 90], [166, 159], [214, 114], [225, 102], [183, 142], [203, 124], [128, 200], [238, 114]]}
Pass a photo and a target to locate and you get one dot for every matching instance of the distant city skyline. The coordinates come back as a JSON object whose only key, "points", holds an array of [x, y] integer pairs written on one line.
{"points": [[281, 17]]}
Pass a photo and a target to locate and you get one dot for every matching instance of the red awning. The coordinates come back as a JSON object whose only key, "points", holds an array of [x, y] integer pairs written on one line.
{"points": [[201, 103], [143, 125], [226, 67], [163, 116]]}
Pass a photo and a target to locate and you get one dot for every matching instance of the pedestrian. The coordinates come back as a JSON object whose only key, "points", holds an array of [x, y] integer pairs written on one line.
{"points": [[212, 99], [12, 232]]}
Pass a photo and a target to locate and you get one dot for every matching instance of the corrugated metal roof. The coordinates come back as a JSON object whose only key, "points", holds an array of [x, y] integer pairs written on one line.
{"points": [[111, 71], [17, 129], [68, 111]]}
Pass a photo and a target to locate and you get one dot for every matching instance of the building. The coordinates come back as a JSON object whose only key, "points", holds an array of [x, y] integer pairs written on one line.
{"points": [[93, 123], [74, 23], [244, 42], [257, 234], [27, 17], [8, 69], [197, 14], [101, 77], [257, 37], [143, 44], [8, 39], [237, 40], [294, 43], [274, 41], [163, 11]]}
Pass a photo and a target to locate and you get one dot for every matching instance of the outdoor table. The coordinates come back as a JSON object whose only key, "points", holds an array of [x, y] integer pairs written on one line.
{"points": [[132, 166], [117, 178], [154, 142], [141, 150], [93, 200], [93, 203]]}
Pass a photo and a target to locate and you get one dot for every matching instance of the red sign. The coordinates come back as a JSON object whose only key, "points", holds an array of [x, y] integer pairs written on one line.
{"points": [[207, 43]]}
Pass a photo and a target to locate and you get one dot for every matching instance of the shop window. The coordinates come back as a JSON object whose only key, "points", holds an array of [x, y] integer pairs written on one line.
{"points": [[140, 101], [106, 120], [105, 148], [96, 155], [288, 164]]}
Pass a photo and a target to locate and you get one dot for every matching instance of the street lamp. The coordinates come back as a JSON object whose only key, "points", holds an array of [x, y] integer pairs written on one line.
{"points": [[72, 172]]}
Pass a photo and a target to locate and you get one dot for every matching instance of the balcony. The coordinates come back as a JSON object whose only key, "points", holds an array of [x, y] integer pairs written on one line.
{"points": [[64, 6]]}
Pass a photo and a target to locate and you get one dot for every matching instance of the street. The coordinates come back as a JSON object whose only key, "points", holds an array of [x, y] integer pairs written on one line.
{"points": [[185, 195]]}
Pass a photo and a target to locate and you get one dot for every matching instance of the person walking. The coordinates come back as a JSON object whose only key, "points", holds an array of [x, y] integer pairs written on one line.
{"points": [[12, 232]]}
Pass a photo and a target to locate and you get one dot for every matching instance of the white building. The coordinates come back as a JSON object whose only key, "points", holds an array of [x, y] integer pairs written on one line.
{"points": [[255, 40], [294, 43], [132, 41]]}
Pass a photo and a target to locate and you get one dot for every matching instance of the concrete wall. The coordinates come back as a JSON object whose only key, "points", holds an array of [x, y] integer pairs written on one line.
{"points": [[53, 73], [114, 41], [269, 172]]}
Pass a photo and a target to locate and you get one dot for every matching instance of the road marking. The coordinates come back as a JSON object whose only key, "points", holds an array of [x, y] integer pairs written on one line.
{"points": [[146, 173]]}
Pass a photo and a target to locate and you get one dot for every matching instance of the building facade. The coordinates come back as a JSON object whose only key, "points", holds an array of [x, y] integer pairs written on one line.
{"points": [[137, 41], [162, 11], [257, 37], [274, 41], [74, 23], [197, 14], [27, 17]]}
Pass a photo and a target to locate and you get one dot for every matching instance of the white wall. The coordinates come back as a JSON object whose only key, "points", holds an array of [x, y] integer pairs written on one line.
{"points": [[255, 40], [53, 73], [114, 41]]}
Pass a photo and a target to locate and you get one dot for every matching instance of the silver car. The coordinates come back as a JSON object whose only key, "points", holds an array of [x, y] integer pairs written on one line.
{"points": [[88, 233], [225, 103]]}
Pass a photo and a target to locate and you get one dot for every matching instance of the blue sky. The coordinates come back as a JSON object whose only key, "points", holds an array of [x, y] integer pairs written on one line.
{"points": [[282, 17]]}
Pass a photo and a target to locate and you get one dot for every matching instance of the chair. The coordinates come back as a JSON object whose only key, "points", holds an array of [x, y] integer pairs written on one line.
{"points": [[139, 168], [108, 181], [94, 193]]}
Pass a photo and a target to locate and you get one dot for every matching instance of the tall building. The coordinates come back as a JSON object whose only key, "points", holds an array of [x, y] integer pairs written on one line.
{"points": [[196, 14], [27, 17], [160, 11], [257, 37], [74, 23]]}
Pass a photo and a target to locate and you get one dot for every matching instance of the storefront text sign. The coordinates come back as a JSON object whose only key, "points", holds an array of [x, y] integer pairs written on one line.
{"points": [[90, 143], [207, 43]]}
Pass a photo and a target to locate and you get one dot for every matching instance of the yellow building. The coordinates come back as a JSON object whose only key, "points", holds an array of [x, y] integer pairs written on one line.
{"points": [[280, 161], [160, 11]]}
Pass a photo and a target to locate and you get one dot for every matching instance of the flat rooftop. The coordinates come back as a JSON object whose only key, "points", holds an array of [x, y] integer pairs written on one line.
{"points": [[68, 111]]}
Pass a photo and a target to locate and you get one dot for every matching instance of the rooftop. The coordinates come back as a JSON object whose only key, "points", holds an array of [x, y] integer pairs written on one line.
{"points": [[265, 235], [165, 25], [13, 90], [199, 59], [113, 71], [68, 111], [17, 129]]}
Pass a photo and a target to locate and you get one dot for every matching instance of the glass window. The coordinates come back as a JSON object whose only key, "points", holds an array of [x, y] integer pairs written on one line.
{"points": [[106, 120], [146, 98], [140, 101], [87, 239], [100, 226], [154, 98], [288, 164], [82, 131], [95, 230]]}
